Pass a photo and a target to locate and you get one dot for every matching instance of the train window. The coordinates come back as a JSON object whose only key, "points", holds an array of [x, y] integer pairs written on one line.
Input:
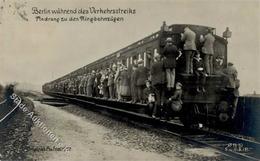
{"points": [[145, 59], [127, 62], [131, 60]]}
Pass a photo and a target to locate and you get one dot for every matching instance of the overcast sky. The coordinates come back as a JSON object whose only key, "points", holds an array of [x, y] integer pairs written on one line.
{"points": [[36, 52]]}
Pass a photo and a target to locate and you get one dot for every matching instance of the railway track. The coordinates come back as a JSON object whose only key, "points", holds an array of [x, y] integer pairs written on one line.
{"points": [[231, 146], [6, 111]]}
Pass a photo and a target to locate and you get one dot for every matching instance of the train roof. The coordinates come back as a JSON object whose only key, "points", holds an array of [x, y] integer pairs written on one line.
{"points": [[177, 28]]}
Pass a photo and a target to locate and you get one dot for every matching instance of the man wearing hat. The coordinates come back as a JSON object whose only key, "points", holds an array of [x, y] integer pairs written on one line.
{"points": [[218, 64], [208, 50], [174, 103], [199, 72], [158, 78], [150, 95], [170, 53], [133, 83], [90, 85], [232, 85], [111, 82], [141, 76], [189, 47], [231, 75]]}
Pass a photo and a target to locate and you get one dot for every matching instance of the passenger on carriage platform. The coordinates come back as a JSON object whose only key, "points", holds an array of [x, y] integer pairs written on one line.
{"points": [[189, 48], [199, 72], [231, 75], [133, 80], [170, 53], [174, 103], [80, 87], [124, 83], [101, 91], [82, 82], [158, 78], [208, 51], [104, 82], [232, 85], [150, 97], [118, 81], [74, 86], [90, 84], [97, 83], [235, 101], [66, 86], [111, 82], [77, 84], [141, 77], [70, 86], [85, 83], [218, 65]]}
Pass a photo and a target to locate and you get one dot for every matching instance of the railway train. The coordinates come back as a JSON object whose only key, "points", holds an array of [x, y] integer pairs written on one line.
{"points": [[196, 107]]}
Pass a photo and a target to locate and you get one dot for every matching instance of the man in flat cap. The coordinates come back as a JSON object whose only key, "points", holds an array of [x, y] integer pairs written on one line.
{"points": [[170, 52], [208, 50], [189, 48]]}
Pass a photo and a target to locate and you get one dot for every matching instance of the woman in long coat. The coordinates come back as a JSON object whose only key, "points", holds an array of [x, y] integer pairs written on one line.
{"points": [[124, 83]]}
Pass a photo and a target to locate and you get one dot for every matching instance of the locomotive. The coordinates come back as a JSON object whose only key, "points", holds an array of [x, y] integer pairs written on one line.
{"points": [[196, 107]]}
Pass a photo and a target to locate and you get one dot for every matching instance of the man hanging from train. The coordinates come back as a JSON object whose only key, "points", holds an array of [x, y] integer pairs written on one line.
{"points": [[170, 53], [199, 72], [174, 103], [189, 48], [232, 85], [208, 50], [158, 78], [150, 97]]}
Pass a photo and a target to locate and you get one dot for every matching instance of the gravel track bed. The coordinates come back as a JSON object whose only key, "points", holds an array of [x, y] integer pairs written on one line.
{"points": [[134, 137], [14, 135]]}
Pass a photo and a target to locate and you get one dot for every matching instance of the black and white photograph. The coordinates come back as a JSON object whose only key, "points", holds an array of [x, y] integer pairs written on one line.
{"points": [[129, 80]]}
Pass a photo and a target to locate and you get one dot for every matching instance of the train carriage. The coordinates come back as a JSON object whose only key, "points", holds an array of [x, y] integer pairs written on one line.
{"points": [[194, 104]]}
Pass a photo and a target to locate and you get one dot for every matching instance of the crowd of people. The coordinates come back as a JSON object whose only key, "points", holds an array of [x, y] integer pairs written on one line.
{"points": [[155, 86]]}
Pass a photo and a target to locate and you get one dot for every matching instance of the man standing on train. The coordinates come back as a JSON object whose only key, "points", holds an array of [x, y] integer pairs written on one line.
{"points": [[208, 50], [170, 52], [158, 78], [189, 48], [232, 85]]}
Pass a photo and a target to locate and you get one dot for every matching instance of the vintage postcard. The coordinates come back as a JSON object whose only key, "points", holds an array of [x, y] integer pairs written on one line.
{"points": [[92, 80]]}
